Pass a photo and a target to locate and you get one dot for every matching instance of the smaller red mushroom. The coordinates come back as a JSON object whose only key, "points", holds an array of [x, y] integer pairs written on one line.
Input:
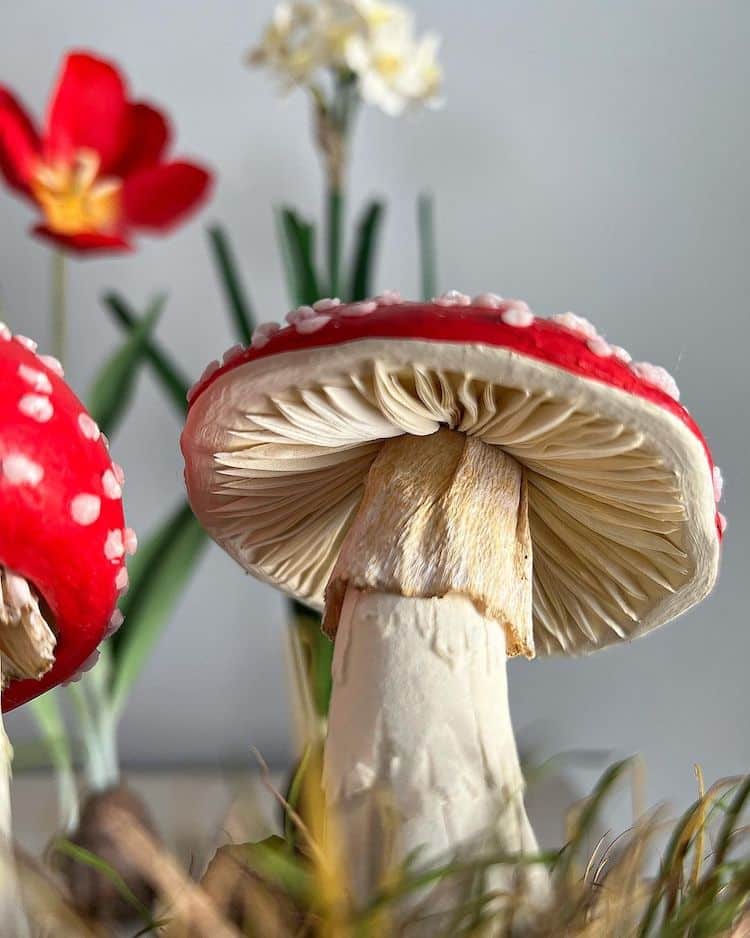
{"points": [[63, 542], [63, 538]]}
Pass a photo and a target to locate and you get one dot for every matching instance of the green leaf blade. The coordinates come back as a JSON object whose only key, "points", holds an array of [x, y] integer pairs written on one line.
{"points": [[368, 233], [112, 389], [427, 245], [297, 242], [174, 383], [237, 301], [158, 574]]}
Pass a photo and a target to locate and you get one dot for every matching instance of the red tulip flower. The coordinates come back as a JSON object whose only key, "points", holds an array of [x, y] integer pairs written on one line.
{"points": [[97, 170]]}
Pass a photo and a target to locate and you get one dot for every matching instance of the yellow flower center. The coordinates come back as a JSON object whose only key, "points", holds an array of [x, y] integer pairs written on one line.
{"points": [[389, 64], [379, 14], [74, 200]]}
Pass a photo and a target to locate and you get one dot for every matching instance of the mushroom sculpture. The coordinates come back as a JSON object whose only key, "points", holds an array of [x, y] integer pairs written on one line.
{"points": [[454, 483], [63, 538]]}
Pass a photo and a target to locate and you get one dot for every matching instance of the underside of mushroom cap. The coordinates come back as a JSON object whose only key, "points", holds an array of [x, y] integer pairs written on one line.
{"points": [[622, 512]]}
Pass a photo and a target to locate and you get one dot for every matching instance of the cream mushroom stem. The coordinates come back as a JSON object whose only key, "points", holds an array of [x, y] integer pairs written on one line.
{"points": [[430, 595], [27, 646]]}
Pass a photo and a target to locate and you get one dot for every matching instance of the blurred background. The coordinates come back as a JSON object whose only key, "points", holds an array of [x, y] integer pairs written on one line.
{"points": [[589, 156]]}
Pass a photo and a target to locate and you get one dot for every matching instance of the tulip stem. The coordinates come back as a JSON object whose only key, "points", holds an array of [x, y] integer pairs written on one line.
{"points": [[59, 306]]}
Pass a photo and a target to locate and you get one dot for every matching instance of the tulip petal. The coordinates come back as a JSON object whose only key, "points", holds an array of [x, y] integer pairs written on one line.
{"points": [[162, 196], [149, 134], [19, 143], [89, 242], [88, 110]]}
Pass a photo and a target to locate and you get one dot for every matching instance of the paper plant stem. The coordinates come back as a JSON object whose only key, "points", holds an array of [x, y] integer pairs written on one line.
{"points": [[48, 715], [106, 721], [427, 246], [97, 768], [59, 306]]}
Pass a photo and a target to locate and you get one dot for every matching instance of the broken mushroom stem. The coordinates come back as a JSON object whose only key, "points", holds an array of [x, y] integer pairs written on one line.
{"points": [[27, 643], [27, 646], [431, 593], [12, 918]]}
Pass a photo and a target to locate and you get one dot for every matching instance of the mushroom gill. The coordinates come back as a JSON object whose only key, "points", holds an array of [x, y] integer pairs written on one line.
{"points": [[605, 508], [27, 642]]}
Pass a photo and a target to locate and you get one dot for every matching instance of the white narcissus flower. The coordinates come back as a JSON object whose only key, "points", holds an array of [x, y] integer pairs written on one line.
{"points": [[372, 39], [393, 68], [292, 44]]}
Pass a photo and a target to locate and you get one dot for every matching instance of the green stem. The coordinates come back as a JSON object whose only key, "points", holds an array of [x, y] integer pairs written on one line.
{"points": [[427, 248], [59, 306], [48, 715], [98, 771], [334, 227], [97, 683]]}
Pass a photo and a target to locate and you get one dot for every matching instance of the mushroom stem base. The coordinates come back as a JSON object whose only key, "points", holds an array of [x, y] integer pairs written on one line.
{"points": [[420, 750], [12, 917]]}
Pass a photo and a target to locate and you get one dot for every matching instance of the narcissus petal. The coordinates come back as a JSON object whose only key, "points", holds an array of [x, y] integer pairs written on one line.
{"points": [[149, 134], [160, 197], [19, 143], [89, 110]]}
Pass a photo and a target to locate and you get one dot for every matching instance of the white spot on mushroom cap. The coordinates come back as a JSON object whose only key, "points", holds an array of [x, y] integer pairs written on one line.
{"points": [[211, 368], [115, 621], [389, 298], [657, 376], [28, 343], [488, 301], [118, 473], [122, 579], [88, 426], [20, 470], [577, 324], [311, 324], [85, 508], [130, 541], [5, 333], [600, 347], [263, 333], [722, 523], [112, 488], [114, 547], [621, 354], [53, 364], [301, 312], [37, 380], [517, 316], [37, 407], [324, 305], [362, 308], [87, 665], [718, 480], [231, 353], [452, 298]]}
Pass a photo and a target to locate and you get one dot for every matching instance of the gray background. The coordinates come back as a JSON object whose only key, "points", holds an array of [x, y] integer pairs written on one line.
{"points": [[591, 156]]}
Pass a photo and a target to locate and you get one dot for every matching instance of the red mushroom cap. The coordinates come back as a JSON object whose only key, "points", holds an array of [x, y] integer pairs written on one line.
{"points": [[61, 507], [620, 476]]}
